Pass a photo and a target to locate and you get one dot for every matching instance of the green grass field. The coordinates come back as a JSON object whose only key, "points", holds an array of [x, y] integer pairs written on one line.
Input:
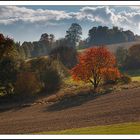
{"points": [[124, 128]]}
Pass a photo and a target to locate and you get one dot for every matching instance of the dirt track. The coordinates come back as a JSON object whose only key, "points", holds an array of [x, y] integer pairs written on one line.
{"points": [[110, 108]]}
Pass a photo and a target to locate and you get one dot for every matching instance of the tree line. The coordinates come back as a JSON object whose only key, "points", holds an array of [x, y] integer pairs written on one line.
{"points": [[100, 35], [103, 35], [128, 59]]}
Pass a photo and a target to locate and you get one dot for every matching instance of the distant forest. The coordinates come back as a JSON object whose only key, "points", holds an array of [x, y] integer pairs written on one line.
{"points": [[101, 35]]}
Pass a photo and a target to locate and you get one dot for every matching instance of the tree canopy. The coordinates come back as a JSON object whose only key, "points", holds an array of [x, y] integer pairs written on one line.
{"points": [[96, 64], [103, 35], [73, 34]]}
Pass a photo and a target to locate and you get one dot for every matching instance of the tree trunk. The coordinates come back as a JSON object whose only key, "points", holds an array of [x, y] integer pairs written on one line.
{"points": [[95, 85]]}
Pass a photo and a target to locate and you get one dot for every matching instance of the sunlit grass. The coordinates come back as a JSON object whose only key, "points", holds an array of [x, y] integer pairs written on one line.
{"points": [[124, 128], [70, 81], [136, 78], [135, 74]]}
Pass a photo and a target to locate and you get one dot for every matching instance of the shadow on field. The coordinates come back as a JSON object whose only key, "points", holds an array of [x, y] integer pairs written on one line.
{"points": [[14, 103], [75, 100], [14, 108]]}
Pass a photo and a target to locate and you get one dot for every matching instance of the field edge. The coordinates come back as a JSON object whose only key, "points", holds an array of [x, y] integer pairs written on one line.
{"points": [[122, 128]]}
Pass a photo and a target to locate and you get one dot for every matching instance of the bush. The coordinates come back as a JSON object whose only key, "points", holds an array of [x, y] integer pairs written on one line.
{"points": [[50, 71], [125, 79], [43, 63], [9, 68], [51, 79], [132, 61], [27, 83]]}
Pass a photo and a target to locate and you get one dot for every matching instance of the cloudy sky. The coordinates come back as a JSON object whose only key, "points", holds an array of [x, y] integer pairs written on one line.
{"points": [[27, 23]]}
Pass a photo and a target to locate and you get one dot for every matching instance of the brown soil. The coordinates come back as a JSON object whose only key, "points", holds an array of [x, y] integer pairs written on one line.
{"points": [[83, 111]]}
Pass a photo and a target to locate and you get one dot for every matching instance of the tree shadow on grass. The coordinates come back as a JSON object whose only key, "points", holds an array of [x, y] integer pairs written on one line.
{"points": [[72, 101], [14, 108], [14, 103]]}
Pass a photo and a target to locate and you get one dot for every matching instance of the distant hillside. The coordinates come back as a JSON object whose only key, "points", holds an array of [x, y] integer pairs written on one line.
{"points": [[127, 45], [113, 47]]}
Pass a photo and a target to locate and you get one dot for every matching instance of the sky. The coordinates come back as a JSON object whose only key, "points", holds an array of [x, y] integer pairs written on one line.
{"points": [[27, 23]]}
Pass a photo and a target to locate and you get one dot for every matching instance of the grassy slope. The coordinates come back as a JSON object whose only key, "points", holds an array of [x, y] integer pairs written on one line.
{"points": [[125, 128]]}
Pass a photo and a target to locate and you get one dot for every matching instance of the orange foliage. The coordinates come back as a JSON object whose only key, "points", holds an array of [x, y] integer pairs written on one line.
{"points": [[110, 74], [93, 65]]}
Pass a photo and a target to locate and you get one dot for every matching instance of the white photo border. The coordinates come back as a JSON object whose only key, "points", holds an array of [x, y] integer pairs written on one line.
{"points": [[71, 3]]}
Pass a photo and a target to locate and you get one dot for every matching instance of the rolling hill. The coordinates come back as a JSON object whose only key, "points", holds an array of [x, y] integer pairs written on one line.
{"points": [[113, 108], [113, 47]]}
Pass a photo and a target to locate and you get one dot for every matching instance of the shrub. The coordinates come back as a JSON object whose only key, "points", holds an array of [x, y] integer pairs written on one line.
{"points": [[50, 71], [27, 83], [9, 68], [51, 79], [125, 79], [132, 61], [43, 63]]}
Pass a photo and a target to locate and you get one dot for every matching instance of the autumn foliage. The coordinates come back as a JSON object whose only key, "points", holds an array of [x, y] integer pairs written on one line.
{"points": [[110, 74], [96, 65], [27, 83]]}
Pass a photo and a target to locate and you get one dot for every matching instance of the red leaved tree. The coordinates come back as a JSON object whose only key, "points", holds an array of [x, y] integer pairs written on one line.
{"points": [[95, 65], [110, 75]]}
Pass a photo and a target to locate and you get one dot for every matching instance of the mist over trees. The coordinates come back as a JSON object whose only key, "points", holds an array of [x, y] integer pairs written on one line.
{"points": [[47, 42], [39, 48], [64, 49], [100, 35]]}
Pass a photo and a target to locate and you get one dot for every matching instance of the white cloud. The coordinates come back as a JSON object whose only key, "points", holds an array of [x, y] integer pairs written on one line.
{"points": [[11, 14], [105, 15]]}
